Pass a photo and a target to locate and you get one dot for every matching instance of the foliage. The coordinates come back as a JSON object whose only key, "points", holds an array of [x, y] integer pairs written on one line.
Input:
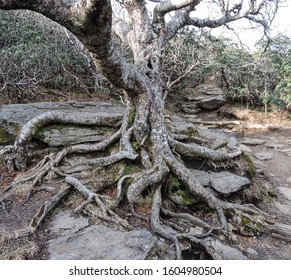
{"points": [[257, 78], [280, 53], [190, 56], [36, 52]]}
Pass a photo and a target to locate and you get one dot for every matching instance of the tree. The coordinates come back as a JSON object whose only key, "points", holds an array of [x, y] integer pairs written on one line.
{"points": [[143, 133]]}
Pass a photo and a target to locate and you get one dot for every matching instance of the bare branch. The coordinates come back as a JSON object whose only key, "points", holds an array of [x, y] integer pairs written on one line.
{"points": [[168, 6], [253, 11], [173, 5]]}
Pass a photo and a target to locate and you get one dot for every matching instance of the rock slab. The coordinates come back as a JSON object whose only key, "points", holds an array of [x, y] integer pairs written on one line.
{"points": [[253, 142], [264, 156], [221, 251], [223, 182], [14, 116], [204, 96], [77, 240], [286, 192], [227, 183]]}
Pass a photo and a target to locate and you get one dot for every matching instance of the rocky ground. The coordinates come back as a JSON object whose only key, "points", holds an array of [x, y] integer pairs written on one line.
{"points": [[266, 139]]}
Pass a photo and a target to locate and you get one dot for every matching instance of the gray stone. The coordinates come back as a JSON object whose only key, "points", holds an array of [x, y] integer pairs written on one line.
{"points": [[273, 145], [193, 95], [287, 152], [204, 96], [227, 183], [220, 251], [223, 182], [251, 253], [62, 135], [209, 89], [253, 142], [77, 240], [245, 149], [203, 177], [190, 108], [178, 125], [216, 138], [286, 192], [14, 116], [65, 223], [211, 103], [284, 208], [200, 92], [264, 156], [289, 181]]}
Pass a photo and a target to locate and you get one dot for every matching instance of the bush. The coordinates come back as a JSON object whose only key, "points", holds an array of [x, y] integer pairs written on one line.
{"points": [[36, 52]]}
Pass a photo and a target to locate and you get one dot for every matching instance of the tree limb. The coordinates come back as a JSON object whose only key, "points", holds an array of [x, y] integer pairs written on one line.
{"points": [[91, 22], [173, 5], [252, 12]]}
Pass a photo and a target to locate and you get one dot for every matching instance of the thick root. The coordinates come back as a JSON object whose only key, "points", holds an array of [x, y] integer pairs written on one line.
{"points": [[142, 186], [197, 151], [158, 228], [140, 183], [30, 129]]}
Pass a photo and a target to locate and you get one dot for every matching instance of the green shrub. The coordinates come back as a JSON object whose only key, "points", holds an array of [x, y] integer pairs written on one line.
{"points": [[36, 52]]}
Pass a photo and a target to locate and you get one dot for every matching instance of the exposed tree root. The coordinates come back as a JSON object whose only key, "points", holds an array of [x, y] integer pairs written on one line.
{"points": [[106, 213], [156, 153], [160, 229], [30, 129], [197, 151]]}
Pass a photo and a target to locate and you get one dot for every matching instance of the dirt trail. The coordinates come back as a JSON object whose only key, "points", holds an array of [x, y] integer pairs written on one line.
{"points": [[272, 158]]}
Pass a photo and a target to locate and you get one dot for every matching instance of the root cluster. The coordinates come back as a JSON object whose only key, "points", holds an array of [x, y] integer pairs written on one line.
{"points": [[158, 158]]}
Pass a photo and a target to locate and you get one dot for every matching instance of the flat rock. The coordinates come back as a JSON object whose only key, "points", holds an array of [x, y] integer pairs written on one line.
{"points": [[287, 152], [77, 240], [65, 223], [286, 192], [289, 181], [14, 116], [217, 138], [264, 156], [273, 145], [64, 135], [211, 103], [220, 251], [245, 148], [223, 182], [203, 177], [284, 208], [253, 142], [251, 253], [214, 138], [178, 125], [227, 183], [191, 94], [209, 89]]}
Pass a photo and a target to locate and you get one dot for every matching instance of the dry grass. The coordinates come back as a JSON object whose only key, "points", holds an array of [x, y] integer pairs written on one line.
{"points": [[18, 249]]}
